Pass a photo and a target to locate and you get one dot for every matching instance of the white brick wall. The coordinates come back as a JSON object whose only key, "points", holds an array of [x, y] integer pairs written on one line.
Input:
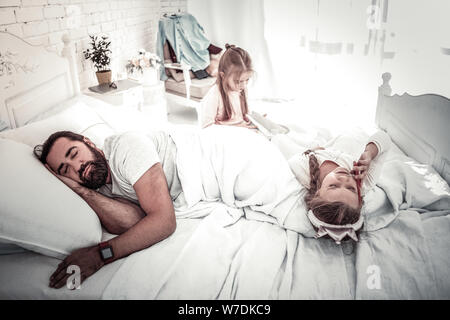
{"points": [[9, 3], [54, 12], [7, 16], [130, 24], [32, 29], [34, 2], [29, 14]]}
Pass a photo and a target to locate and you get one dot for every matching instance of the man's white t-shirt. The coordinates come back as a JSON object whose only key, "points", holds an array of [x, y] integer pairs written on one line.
{"points": [[131, 154]]}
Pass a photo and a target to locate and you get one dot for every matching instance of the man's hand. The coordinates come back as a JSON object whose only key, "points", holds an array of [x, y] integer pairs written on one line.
{"points": [[87, 259], [72, 184], [361, 167]]}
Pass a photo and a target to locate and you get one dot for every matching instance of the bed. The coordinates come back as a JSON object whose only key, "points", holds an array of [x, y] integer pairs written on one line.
{"points": [[404, 252]]}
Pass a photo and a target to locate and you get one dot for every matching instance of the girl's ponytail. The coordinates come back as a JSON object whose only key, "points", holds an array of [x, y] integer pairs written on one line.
{"points": [[229, 46], [314, 172]]}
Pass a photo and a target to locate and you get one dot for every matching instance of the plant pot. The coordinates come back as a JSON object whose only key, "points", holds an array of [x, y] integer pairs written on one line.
{"points": [[103, 76]]}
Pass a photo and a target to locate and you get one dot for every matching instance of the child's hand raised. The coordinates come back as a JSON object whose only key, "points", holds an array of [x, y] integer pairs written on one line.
{"points": [[361, 167]]}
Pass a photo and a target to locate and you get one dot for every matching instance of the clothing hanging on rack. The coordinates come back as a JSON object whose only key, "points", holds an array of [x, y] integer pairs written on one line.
{"points": [[212, 49], [187, 39], [165, 15], [173, 14]]}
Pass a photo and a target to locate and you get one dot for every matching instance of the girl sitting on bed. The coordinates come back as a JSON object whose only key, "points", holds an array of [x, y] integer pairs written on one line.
{"points": [[336, 183], [226, 101]]}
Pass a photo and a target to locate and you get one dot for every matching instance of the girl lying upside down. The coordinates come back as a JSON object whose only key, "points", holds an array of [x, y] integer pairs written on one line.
{"points": [[336, 184]]}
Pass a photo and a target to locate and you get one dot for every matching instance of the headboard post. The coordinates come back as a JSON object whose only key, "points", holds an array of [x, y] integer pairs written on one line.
{"points": [[385, 88], [383, 91], [68, 52]]}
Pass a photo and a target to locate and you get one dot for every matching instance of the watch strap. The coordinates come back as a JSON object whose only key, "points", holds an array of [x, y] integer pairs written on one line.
{"points": [[105, 245]]}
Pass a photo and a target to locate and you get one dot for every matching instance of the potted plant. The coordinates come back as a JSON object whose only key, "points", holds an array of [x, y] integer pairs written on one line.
{"points": [[99, 55]]}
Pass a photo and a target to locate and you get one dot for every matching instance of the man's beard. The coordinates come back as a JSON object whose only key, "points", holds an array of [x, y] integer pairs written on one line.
{"points": [[98, 171]]}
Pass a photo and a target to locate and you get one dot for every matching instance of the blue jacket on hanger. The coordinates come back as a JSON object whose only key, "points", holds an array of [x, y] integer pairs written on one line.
{"points": [[188, 40]]}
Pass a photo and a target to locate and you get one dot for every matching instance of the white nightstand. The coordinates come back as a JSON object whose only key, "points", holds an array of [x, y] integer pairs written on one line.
{"points": [[149, 100], [128, 94]]}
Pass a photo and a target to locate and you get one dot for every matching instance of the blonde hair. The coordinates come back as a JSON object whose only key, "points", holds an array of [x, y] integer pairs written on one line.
{"points": [[338, 213], [234, 61]]}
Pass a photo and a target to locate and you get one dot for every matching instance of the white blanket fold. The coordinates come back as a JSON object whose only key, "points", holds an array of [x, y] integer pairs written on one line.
{"points": [[245, 233]]}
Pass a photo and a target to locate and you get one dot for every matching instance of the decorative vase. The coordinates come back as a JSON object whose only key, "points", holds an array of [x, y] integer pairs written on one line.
{"points": [[103, 76]]}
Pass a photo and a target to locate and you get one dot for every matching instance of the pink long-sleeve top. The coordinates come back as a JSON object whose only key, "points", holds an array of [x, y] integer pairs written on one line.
{"points": [[213, 112]]}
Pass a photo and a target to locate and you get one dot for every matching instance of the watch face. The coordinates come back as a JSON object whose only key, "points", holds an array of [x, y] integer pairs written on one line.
{"points": [[107, 253]]}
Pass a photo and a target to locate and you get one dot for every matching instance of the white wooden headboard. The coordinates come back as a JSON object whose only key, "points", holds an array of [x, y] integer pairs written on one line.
{"points": [[419, 125], [33, 79]]}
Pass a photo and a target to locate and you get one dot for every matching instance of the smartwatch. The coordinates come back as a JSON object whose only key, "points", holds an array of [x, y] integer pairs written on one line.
{"points": [[106, 252]]}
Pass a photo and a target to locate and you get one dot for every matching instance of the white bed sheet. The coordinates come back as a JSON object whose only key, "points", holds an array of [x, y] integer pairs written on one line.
{"points": [[273, 262], [26, 275], [248, 260]]}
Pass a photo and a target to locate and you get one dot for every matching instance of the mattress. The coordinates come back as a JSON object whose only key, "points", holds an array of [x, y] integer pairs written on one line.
{"points": [[257, 260], [26, 275]]}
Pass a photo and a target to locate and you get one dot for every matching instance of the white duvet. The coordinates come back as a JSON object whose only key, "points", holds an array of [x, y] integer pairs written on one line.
{"points": [[258, 244]]}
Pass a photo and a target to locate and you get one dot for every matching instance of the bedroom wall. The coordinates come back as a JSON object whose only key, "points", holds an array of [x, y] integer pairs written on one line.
{"points": [[130, 24]]}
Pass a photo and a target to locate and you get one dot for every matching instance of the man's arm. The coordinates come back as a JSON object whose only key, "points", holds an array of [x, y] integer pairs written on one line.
{"points": [[116, 215], [158, 224]]}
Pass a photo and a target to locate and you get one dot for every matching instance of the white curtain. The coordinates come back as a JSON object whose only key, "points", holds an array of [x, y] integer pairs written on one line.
{"points": [[323, 50], [418, 35], [240, 23], [331, 53]]}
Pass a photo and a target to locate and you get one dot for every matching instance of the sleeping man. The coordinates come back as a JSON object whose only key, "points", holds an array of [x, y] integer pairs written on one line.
{"points": [[138, 183]]}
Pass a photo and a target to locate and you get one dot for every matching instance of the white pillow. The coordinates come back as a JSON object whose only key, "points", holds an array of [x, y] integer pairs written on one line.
{"points": [[78, 118], [37, 211]]}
